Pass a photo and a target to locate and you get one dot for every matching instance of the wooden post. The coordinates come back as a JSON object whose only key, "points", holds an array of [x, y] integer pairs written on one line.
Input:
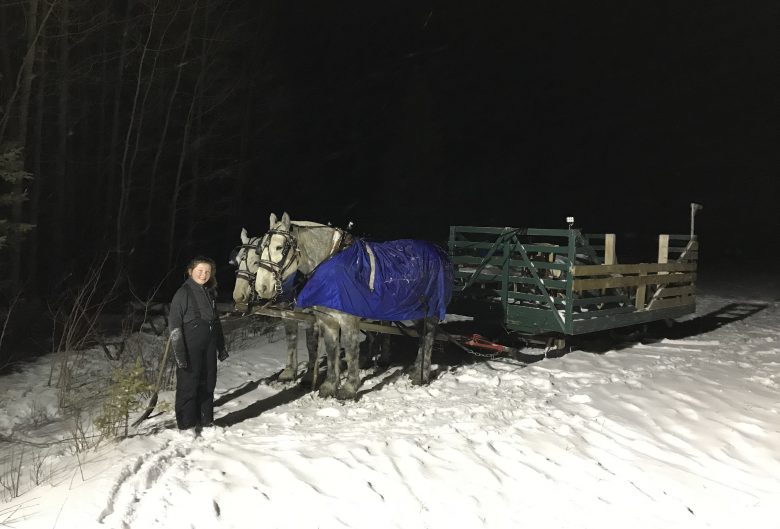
{"points": [[609, 249], [663, 257], [663, 248], [641, 291]]}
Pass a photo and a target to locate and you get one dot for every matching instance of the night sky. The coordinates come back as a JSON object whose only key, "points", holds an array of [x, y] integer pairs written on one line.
{"points": [[408, 117]]}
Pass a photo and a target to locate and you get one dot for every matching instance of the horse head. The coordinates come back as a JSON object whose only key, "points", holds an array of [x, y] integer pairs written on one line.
{"points": [[246, 260], [278, 252]]}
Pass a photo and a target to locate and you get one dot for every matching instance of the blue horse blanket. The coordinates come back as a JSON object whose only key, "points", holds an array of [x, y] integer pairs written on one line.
{"points": [[412, 279]]}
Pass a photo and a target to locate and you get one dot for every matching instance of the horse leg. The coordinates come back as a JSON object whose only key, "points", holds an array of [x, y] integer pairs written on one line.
{"points": [[328, 329], [350, 340], [422, 365], [312, 339], [367, 355], [289, 372], [383, 358]]}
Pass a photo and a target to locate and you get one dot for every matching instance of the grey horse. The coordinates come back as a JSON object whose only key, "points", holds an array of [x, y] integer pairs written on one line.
{"points": [[301, 246], [247, 261]]}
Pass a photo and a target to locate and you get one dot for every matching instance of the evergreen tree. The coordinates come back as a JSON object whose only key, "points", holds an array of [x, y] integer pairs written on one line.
{"points": [[11, 174]]}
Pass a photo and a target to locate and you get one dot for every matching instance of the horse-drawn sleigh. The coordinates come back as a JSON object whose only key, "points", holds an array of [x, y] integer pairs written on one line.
{"points": [[538, 286]]}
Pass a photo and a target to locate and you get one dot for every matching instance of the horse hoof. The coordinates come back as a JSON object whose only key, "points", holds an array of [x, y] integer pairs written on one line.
{"points": [[346, 394], [287, 375], [327, 389], [418, 379]]}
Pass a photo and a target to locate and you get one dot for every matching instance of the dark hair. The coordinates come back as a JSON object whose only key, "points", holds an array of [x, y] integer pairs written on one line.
{"points": [[212, 282]]}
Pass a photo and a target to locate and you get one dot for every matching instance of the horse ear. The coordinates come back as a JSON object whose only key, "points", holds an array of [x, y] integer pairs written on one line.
{"points": [[286, 220], [244, 236], [272, 220]]}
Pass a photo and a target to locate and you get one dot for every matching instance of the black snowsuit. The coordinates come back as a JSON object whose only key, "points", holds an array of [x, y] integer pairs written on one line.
{"points": [[196, 337]]}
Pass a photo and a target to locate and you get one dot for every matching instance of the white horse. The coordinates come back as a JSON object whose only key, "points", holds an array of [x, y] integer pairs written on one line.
{"points": [[247, 261], [302, 246]]}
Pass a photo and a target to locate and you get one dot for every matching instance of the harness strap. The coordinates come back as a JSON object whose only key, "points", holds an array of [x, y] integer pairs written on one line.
{"points": [[371, 260]]}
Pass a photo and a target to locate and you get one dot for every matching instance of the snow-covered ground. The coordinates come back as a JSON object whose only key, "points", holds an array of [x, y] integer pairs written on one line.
{"points": [[680, 432]]}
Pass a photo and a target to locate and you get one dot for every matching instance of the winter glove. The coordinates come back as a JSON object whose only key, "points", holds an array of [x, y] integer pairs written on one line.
{"points": [[222, 355], [179, 349]]}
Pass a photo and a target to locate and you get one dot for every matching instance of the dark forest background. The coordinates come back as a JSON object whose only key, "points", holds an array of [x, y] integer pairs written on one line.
{"points": [[135, 134]]}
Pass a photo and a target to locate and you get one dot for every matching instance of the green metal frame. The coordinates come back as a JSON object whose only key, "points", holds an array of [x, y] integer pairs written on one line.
{"points": [[523, 280]]}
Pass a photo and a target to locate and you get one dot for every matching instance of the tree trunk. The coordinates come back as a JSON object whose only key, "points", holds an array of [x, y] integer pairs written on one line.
{"points": [[61, 195], [35, 196], [166, 123], [196, 149], [6, 75], [177, 184], [126, 176], [113, 147], [17, 218], [100, 188]]}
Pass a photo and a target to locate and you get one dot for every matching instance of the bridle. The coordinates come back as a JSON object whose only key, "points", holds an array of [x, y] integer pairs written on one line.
{"points": [[291, 254], [237, 257], [288, 258]]}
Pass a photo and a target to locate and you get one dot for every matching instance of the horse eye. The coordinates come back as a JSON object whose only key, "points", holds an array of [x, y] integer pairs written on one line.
{"points": [[279, 248]]}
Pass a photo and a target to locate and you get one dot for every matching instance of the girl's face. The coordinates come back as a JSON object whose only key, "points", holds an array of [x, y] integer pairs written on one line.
{"points": [[201, 273]]}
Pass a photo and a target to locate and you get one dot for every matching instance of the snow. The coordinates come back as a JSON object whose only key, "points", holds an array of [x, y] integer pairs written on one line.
{"points": [[679, 432]]}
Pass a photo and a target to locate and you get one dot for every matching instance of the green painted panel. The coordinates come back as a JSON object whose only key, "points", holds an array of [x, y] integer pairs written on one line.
{"points": [[482, 229], [531, 320], [634, 318], [550, 233], [535, 298]]}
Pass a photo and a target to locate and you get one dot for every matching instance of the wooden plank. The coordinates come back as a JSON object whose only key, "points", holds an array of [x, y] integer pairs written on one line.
{"points": [[597, 300], [631, 281], [579, 316], [668, 292], [640, 268], [691, 252], [667, 303]]}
